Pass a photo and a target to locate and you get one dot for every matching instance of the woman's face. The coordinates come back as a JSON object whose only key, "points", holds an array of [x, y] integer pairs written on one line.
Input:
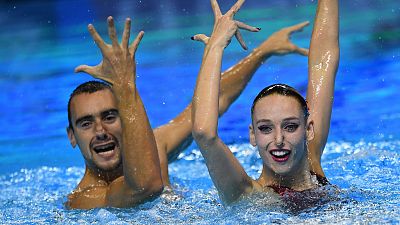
{"points": [[280, 131]]}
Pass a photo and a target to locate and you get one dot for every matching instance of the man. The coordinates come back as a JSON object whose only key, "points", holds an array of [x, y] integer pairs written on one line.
{"points": [[111, 128], [170, 139]]}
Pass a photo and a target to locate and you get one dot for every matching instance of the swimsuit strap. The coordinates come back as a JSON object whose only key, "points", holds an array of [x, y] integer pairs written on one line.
{"points": [[281, 189], [322, 181]]}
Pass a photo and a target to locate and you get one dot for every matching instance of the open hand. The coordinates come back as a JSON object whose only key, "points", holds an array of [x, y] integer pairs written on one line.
{"points": [[225, 27], [279, 42], [118, 64]]}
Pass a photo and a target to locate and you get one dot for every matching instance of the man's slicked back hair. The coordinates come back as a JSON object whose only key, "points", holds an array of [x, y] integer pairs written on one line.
{"points": [[285, 90], [88, 88]]}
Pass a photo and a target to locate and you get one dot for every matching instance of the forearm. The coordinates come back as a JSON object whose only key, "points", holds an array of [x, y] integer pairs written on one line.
{"points": [[139, 150], [324, 46], [205, 99], [232, 83], [322, 65], [226, 172], [323, 59], [235, 79]]}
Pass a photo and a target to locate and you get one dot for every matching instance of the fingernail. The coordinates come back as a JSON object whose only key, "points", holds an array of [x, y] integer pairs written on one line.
{"points": [[192, 37]]}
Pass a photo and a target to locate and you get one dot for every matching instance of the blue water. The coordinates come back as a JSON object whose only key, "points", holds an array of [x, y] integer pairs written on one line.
{"points": [[42, 41]]}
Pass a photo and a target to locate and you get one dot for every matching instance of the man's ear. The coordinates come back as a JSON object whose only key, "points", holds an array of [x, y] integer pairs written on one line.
{"points": [[252, 136], [71, 137], [310, 130]]}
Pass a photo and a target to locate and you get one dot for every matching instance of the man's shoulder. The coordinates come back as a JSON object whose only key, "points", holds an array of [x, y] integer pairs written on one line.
{"points": [[87, 197]]}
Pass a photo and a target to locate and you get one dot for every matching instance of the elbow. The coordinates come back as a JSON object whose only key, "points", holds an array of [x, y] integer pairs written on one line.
{"points": [[151, 189], [224, 103], [154, 184], [150, 185], [203, 135], [154, 188]]}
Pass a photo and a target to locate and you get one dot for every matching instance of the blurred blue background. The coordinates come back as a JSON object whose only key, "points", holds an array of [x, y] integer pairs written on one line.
{"points": [[43, 41]]}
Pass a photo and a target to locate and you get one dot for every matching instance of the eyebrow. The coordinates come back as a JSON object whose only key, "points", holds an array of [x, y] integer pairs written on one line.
{"points": [[291, 118], [284, 120], [263, 121], [104, 113], [109, 112], [83, 118]]}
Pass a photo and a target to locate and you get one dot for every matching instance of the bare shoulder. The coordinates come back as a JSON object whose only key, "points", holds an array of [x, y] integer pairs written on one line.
{"points": [[87, 198], [257, 186]]}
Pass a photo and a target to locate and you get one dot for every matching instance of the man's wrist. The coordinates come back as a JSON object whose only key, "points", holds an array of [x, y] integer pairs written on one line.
{"points": [[263, 53], [123, 86]]}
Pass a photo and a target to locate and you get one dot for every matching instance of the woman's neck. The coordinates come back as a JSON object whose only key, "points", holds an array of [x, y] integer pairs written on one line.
{"points": [[299, 181]]}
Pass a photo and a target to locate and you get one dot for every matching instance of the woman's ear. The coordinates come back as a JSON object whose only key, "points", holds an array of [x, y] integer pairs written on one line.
{"points": [[310, 130], [252, 136], [71, 137]]}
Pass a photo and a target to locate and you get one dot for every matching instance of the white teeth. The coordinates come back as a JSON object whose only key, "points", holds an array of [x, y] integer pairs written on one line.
{"points": [[104, 148], [279, 153]]}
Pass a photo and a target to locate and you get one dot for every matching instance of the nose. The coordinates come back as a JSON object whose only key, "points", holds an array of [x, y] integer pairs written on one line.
{"points": [[279, 138], [101, 133]]}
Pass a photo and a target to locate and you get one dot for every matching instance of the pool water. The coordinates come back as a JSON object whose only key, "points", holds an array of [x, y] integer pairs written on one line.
{"points": [[42, 42]]}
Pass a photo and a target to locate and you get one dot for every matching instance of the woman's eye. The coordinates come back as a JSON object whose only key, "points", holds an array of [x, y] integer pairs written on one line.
{"points": [[265, 129], [291, 127]]}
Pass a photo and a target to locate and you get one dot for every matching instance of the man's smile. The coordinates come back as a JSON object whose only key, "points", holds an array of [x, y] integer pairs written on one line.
{"points": [[104, 147]]}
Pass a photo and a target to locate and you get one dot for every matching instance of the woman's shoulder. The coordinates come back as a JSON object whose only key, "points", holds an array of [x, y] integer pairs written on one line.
{"points": [[320, 180]]}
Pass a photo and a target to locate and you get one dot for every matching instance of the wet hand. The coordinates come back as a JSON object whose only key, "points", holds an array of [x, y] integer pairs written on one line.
{"points": [[279, 42], [225, 27], [118, 64]]}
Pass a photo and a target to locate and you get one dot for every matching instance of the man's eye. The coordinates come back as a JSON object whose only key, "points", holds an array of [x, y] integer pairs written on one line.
{"points": [[85, 124], [110, 118], [265, 129], [291, 127]]}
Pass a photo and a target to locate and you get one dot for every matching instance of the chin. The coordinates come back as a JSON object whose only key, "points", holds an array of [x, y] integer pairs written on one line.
{"points": [[282, 171], [109, 166]]}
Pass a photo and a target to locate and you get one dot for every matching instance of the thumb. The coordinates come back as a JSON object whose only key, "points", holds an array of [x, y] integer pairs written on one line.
{"points": [[302, 51], [84, 68], [201, 37]]}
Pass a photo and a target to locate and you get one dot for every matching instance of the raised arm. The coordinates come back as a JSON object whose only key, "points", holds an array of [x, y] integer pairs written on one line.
{"points": [[175, 136], [226, 172], [322, 67], [141, 168]]}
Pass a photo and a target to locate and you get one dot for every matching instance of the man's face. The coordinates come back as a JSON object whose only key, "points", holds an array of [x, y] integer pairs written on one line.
{"points": [[96, 129], [279, 131]]}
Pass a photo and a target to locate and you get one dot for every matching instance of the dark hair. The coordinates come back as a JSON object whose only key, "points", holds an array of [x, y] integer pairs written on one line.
{"points": [[87, 87], [281, 89]]}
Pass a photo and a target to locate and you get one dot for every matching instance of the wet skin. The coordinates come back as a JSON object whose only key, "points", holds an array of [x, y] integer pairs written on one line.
{"points": [[97, 129], [280, 132]]}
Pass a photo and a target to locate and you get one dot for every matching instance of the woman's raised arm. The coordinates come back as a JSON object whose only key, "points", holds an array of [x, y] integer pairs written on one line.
{"points": [[225, 170], [323, 62]]}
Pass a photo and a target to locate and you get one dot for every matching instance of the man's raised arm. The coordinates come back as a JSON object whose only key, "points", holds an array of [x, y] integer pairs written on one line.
{"points": [[141, 167]]}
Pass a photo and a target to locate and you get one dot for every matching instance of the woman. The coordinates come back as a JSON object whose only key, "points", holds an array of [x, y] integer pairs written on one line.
{"points": [[285, 133]]}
